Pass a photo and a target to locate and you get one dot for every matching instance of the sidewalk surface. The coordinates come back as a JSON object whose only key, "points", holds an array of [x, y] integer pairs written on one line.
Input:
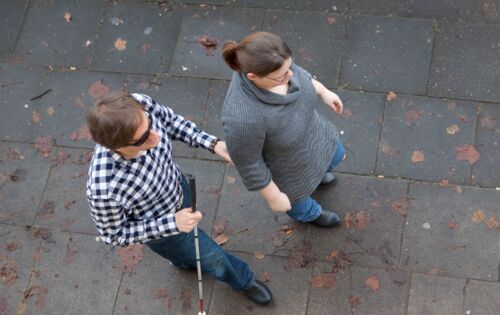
{"points": [[418, 193]]}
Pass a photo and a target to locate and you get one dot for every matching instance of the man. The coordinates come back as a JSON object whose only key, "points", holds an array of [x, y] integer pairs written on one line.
{"points": [[137, 194]]}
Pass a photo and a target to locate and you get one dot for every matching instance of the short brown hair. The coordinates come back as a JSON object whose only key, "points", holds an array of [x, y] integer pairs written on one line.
{"points": [[259, 53], [114, 120]]}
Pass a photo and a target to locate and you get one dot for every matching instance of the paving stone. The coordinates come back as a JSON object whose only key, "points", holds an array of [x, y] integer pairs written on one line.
{"points": [[379, 291], [482, 298], [289, 288], [491, 11], [209, 176], [448, 228], [18, 84], [64, 205], [486, 171], [10, 24], [149, 31], [360, 122], [369, 7], [186, 97], [74, 275], [320, 58], [25, 173], [157, 287], [462, 62], [48, 39], [421, 136], [251, 225], [218, 24], [435, 295], [62, 111], [339, 6], [368, 206], [385, 53], [329, 292], [452, 10], [16, 260], [211, 118]]}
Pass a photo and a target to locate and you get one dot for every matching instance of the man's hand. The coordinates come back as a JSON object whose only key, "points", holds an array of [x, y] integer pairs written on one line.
{"points": [[186, 220], [280, 203], [333, 101], [221, 150]]}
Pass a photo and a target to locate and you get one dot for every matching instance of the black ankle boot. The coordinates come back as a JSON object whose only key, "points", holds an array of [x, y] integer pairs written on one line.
{"points": [[327, 219], [259, 293]]}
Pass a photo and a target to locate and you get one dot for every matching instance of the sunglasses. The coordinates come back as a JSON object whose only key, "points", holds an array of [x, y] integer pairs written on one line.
{"points": [[145, 136]]}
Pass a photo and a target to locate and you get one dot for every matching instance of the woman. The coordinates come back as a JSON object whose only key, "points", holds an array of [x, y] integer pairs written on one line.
{"points": [[278, 142]]}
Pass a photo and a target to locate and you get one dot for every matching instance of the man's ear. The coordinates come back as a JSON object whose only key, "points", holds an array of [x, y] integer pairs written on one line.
{"points": [[251, 76]]}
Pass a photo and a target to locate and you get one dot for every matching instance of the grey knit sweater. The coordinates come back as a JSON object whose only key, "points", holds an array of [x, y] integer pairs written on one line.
{"points": [[278, 137]]}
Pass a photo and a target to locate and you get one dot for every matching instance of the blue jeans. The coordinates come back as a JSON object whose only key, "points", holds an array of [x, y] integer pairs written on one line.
{"points": [[180, 250], [307, 209]]}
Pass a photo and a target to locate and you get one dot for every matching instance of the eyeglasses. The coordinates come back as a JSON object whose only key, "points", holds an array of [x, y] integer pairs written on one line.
{"points": [[145, 136], [283, 79]]}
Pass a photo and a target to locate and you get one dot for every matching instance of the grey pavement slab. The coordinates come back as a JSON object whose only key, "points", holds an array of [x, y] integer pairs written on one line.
{"points": [[211, 122], [379, 291], [155, 286], [360, 123], [330, 290], [491, 11], [10, 24], [387, 54], [485, 171], [16, 262], [64, 205], [435, 295], [421, 138], [464, 60], [136, 37], [367, 207], [48, 39], [482, 298], [24, 174], [369, 7], [250, 225], [289, 287], [74, 274], [209, 176], [452, 231], [62, 111], [218, 24], [452, 10], [18, 85], [320, 57], [186, 97]]}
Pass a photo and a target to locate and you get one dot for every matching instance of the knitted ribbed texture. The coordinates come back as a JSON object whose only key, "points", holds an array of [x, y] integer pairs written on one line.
{"points": [[278, 136]]}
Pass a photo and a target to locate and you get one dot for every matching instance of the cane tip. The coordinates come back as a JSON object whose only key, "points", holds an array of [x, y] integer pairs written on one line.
{"points": [[200, 313]]}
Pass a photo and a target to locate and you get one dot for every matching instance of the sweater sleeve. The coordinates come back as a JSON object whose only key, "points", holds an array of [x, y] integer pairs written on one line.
{"points": [[245, 141]]}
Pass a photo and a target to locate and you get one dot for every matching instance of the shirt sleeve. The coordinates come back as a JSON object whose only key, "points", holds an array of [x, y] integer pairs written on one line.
{"points": [[115, 228], [178, 128]]}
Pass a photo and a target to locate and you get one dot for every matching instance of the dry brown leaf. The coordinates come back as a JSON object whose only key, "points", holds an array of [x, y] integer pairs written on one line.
{"points": [[68, 17], [36, 117], [386, 148], [221, 239], [97, 90], [478, 216], [354, 300], [331, 20], [467, 153], [373, 283], [231, 179], [391, 95], [259, 255], [458, 189], [130, 256], [444, 183], [488, 122], [453, 129], [492, 223], [417, 156], [434, 271], [453, 225], [412, 117], [325, 280], [120, 44], [44, 146]]}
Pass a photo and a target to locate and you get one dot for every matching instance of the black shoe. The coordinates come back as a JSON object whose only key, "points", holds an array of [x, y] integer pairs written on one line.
{"points": [[327, 219], [328, 180], [259, 293]]}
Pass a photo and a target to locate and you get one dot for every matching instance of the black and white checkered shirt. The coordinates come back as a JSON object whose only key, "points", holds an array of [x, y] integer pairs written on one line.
{"points": [[135, 200]]}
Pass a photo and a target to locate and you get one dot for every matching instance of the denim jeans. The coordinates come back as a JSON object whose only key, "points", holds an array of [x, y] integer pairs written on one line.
{"points": [[307, 209], [180, 250]]}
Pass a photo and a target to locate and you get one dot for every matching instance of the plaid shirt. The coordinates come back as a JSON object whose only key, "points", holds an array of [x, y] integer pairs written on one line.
{"points": [[135, 200]]}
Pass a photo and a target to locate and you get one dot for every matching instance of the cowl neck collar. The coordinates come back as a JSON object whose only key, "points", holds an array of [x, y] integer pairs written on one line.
{"points": [[269, 97]]}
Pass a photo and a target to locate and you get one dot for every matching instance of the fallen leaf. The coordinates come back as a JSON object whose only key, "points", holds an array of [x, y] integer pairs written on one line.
{"points": [[44, 146], [51, 111], [120, 44], [386, 148], [259, 255], [10, 247], [488, 122], [453, 225], [221, 239], [18, 175], [467, 153], [412, 117], [492, 223], [359, 220], [130, 256], [401, 206], [80, 103], [417, 156], [458, 189], [14, 154], [331, 20], [463, 118], [61, 156], [98, 90], [391, 95], [325, 280], [46, 212], [231, 179], [478, 216], [68, 17], [208, 43], [453, 129], [81, 134], [36, 117], [444, 183], [8, 271], [354, 300], [373, 283]]}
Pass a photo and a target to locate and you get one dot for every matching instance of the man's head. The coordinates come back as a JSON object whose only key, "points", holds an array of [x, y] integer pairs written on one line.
{"points": [[120, 123]]}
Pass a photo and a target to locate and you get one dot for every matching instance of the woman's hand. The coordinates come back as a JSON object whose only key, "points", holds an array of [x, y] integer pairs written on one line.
{"points": [[333, 101], [280, 203], [221, 150], [187, 220]]}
